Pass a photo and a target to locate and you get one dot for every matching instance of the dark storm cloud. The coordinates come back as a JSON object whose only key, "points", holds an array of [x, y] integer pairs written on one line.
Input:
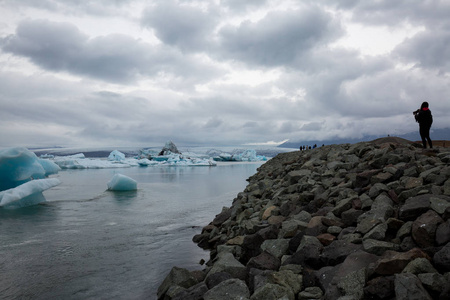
{"points": [[116, 58], [279, 38]]}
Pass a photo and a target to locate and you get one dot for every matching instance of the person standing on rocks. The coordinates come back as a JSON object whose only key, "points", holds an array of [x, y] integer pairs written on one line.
{"points": [[425, 119]]}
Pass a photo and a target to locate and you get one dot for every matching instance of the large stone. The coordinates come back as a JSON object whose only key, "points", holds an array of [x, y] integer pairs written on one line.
{"points": [[378, 247], [228, 263], [380, 288], [264, 261], [419, 265], [216, 278], [414, 207], [193, 293], [311, 293], [230, 289], [277, 247], [272, 291], [439, 203], [393, 262], [424, 228], [353, 284], [222, 217], [434, 282], [409, 287], [308, 253], [176, 277], [288, 279], [443, 233], [338, 251], [441, 259]]}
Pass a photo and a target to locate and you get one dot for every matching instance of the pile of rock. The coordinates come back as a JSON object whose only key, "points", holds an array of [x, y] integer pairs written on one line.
{"points": [[362, 221]]}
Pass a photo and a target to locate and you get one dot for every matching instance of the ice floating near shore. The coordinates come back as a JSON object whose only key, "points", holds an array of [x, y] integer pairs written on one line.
{"points": [[29, 193], [19, 165], [121, 182], [116, 155], [246, 155], [22, 177]]}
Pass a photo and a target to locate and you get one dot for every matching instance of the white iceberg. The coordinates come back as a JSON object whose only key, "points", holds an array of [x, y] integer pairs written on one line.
{"points": [[29, 193], [116, 155], [121, 182], [238, 155]]}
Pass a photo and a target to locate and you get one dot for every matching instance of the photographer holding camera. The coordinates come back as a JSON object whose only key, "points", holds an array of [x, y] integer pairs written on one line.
{"points": [[425, 119]]}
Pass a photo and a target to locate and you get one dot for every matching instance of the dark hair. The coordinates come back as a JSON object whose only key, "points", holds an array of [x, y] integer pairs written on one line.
{"points": [[424, 104]]}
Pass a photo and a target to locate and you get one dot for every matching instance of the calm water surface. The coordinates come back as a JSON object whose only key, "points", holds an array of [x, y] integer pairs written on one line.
{"points": [[89, 243]]}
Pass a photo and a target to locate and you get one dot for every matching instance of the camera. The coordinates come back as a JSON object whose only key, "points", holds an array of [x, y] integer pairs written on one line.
{"points": [[416, 112]]}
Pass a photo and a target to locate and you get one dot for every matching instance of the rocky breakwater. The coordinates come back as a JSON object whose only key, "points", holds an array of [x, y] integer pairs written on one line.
{"points": [[353, 221]]}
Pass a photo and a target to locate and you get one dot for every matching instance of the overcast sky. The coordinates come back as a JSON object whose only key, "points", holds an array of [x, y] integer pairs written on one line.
{"points": [[230, 72]]}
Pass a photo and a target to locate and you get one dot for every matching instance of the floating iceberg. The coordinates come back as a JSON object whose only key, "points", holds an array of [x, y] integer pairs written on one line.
{"points": [[116, 156], [19, 165], [22, 176], [246, 155], [29, 193], [121, 182]]}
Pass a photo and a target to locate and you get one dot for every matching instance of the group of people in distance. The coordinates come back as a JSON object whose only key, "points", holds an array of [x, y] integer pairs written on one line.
{"points": [[302, 148]]}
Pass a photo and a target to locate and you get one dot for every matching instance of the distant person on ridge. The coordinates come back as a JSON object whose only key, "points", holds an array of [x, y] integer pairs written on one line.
{"points": [[425, 119]]}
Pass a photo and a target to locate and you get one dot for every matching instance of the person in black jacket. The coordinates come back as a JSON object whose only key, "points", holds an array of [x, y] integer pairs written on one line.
{"points": [[425, 119]]}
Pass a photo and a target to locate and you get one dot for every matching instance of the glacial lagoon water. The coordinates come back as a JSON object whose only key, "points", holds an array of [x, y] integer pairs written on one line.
{"points": [[86, 242]]}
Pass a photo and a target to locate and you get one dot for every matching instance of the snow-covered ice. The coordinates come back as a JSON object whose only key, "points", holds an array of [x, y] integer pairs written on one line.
{"points": [[29, 193], [121, 182], [116, 155]]}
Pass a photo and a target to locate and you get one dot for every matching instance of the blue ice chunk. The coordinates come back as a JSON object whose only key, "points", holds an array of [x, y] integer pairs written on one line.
{"points": [[121, 182], [17, 166], [49, 166]]}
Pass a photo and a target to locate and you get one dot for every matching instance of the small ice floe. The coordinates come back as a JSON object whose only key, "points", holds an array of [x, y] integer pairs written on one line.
{"points": [[121, 182]]}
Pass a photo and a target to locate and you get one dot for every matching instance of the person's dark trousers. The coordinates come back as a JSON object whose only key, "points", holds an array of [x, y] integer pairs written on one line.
{"points": [[425, 135]]}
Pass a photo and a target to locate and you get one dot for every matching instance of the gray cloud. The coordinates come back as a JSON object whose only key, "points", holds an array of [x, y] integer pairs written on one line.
{"points": [[279, 38], [427, 50], [116, 58], [187, 74], [188, 28]]}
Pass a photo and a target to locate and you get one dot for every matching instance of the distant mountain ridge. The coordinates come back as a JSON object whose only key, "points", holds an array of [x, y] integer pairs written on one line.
{"points": [[436, 134]]}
